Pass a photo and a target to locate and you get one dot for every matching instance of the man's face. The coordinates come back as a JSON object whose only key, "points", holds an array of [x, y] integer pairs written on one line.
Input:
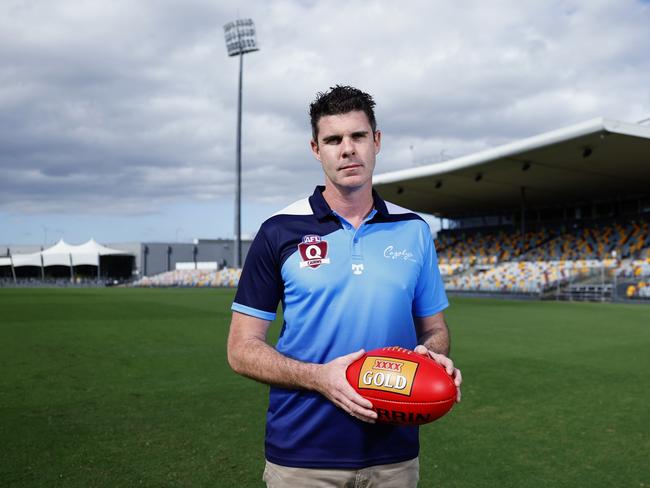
{"points": [[346, 148]]}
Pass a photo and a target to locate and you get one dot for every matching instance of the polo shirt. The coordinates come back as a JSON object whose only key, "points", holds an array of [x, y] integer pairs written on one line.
{"points": [[341, 289]]}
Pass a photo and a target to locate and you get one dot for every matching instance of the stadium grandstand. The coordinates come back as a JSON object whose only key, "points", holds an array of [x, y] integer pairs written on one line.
{"points": [[562, 215]]}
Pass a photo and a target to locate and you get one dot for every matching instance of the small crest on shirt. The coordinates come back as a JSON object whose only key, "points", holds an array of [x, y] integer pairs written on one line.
{"points": [[313, 251]]}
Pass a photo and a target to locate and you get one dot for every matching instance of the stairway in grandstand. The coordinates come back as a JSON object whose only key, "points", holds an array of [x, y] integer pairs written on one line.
{"points": [[589, 289]]}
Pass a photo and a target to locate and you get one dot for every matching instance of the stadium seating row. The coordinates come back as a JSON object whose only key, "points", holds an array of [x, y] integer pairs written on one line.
{"points": [[480, 249], [474, 248], [226, 277], [527, 276], [634, 268], [640, 289]]}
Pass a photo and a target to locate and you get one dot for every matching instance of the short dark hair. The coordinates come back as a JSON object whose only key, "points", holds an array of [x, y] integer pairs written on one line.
{"points": [[341, 100]]}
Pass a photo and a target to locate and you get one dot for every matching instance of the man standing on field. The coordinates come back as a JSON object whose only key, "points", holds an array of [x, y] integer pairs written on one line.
{"points": [[353, 273]]}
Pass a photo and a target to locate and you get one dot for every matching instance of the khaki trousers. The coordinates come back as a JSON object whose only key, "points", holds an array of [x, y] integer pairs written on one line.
{"points": [[399, 475]]}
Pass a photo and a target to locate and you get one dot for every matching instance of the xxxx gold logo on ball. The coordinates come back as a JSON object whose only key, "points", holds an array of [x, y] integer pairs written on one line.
{"points": [[387, 374]]}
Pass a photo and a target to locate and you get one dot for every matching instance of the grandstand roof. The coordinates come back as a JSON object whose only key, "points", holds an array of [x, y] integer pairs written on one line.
{"points": [[597, 159]]}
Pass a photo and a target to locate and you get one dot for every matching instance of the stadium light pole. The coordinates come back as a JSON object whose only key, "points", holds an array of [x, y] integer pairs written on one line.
{"points": [[240, 39]]}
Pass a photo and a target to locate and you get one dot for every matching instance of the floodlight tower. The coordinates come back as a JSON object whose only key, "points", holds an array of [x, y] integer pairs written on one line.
{"points": [[240, 39]]}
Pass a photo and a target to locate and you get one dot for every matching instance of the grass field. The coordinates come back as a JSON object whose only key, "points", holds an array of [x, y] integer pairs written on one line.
{"points": [[130, 387]]}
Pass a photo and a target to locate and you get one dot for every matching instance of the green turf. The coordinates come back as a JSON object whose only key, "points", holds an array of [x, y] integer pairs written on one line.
{"points": [[122, 387]]}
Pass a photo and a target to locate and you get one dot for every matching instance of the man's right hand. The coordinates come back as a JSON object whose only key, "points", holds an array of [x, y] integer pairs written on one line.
{"points": [[250, 355], [332, 383]]}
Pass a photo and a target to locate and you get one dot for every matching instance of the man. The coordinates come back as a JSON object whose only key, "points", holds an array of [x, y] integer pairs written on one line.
{"points": [[353, 273]]}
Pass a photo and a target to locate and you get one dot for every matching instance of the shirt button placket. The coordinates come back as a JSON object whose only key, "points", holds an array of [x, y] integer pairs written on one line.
{"points": [[357, 256]]}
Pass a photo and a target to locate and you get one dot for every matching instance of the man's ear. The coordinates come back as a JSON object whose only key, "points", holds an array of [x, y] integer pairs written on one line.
{"points": [[315, 149], [377, 138]]}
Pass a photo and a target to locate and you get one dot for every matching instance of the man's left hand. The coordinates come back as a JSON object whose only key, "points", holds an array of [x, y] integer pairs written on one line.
{"points": [[447, 363]]}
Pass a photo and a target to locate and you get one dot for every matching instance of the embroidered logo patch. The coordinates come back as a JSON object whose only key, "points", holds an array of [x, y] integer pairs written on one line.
{"points": [[391, 252], [313, 252]]}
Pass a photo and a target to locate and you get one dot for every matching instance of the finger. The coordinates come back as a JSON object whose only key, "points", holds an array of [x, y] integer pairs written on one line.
{"points": [[364, 414], [458, 380], [358, 407], [354, 397], [365, 419], [443, 361], [344, 394], [449, 366], [458, 377]]}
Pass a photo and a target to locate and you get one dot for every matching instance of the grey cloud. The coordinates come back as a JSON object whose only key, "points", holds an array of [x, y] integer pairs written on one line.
{"points": [[122, 107]]}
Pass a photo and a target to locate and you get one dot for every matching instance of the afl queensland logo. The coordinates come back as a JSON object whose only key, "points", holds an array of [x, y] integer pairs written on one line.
{"points": [[313, 252]]}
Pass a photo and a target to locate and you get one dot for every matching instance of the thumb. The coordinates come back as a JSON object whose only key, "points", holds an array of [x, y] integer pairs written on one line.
{"points": [[353, 356], [420, 349]]}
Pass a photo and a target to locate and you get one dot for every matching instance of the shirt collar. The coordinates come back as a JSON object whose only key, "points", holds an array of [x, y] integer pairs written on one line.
{"points": [[321, 208]]}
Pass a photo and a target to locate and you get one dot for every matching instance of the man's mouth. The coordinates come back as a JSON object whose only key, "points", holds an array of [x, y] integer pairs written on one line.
{"points": [[350, 166]]}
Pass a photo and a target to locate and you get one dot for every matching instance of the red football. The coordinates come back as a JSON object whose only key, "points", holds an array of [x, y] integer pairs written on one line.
{"points": [[404, 387]]}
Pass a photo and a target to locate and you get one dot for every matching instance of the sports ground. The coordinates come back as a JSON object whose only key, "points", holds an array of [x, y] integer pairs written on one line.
{"points": [[130, 387]]}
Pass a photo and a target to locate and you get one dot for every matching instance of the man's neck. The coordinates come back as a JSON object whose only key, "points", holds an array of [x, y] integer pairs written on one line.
{"points": [[353, 205]]}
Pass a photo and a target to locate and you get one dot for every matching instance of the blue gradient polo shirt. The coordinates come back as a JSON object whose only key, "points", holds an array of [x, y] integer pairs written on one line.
{"points": [[341, 289]]}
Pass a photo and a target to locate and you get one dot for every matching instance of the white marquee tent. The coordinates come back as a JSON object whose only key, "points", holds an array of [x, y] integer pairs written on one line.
{"points": [[63, 254]]}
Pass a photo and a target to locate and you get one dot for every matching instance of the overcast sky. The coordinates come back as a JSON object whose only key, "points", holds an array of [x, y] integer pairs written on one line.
{"points": [[117, 118]]}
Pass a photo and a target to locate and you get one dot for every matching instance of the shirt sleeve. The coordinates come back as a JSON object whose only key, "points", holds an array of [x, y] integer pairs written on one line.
{"points": [[430, 297], [260, 286]]}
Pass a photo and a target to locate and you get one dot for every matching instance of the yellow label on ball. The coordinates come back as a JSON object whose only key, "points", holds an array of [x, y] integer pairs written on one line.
{"points": [[387, 374]]}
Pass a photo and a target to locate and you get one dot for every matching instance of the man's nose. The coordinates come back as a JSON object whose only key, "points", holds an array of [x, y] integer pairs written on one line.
{"points": [[347, 147]]}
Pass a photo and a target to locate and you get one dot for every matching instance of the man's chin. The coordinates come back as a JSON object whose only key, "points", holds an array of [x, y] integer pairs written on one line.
{"points": [[352, 183]]}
